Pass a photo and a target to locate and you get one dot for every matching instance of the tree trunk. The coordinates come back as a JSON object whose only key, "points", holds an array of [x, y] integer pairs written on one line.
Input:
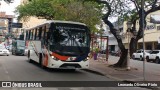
{"points": [[133, 46], [124, 52], [122, 62], [123, 58]]}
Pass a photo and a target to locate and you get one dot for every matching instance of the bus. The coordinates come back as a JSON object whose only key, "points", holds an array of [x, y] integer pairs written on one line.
{"points": [[59, 44], [18, 47]]}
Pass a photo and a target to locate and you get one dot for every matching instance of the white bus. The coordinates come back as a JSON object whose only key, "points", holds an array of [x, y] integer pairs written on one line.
{"points": [[59, 44]]}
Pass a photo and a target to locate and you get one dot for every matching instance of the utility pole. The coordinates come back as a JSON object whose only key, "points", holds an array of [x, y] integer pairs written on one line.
{"points": [[142, 7]]}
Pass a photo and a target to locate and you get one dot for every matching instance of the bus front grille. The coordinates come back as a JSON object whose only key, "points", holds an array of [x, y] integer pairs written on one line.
{"points": [[66, 65]]}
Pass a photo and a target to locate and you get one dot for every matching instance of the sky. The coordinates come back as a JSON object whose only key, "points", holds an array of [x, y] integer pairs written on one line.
{"points": [[9, 8]]}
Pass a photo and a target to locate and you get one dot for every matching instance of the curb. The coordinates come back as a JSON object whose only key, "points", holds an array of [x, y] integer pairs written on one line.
{"points": [[102, 74]]}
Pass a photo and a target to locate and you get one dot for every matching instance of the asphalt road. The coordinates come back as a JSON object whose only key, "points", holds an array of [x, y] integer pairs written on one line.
{"points": [[17, 68]]}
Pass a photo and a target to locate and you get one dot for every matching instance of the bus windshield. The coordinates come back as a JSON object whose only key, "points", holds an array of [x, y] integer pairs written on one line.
{"points": [[76, 39], [70, 38]]}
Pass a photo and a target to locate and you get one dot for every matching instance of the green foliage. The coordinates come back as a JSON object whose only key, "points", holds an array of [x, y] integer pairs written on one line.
{"points": [[39, 8], [88, 12], [96, 50]]}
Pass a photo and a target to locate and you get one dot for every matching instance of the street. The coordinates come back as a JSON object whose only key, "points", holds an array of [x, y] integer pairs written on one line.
{"points": [[71, 34], [17, 68]]}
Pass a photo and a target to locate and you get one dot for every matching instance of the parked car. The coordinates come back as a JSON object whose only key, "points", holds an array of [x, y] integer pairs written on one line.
{"points": [[139, 54], [115, 53], [4, 51], [18, 47], [153, 56]]}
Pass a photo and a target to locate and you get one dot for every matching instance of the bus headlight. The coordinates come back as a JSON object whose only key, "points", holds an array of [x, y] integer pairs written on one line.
{"points": [[86, 59], [54, 58]]}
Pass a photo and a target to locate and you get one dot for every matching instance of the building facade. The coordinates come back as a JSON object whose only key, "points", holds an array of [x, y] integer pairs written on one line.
{"points": [[5, 23], [151, 33]]}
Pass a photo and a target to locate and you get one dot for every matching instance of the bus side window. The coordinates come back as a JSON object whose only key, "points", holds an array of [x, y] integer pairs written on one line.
{"points": [[40, 33], [35, 34], [28, 38], [44, 35], [26, 35], [31, 36]]}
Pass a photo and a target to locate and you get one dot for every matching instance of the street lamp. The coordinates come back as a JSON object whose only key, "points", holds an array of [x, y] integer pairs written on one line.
{"points": [[129, 25]]}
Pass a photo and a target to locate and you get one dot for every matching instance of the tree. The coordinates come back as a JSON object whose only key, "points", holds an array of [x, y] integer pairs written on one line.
{"points": [[72, 10], [114, 6], [136, 15], [89, 11]]}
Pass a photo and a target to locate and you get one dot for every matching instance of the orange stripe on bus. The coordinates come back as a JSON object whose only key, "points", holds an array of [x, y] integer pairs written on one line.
{"points": [[60, 57], [45, 63]]}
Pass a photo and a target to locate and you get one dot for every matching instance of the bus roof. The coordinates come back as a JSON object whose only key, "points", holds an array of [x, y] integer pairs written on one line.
{"points": [[57, 21]]}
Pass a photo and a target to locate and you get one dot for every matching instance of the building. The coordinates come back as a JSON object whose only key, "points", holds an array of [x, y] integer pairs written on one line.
{"points": [[151, 33], [5, 23]]}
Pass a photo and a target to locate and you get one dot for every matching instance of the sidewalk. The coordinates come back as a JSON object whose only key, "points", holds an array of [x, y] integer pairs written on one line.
{"points": [[135, 74]]}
